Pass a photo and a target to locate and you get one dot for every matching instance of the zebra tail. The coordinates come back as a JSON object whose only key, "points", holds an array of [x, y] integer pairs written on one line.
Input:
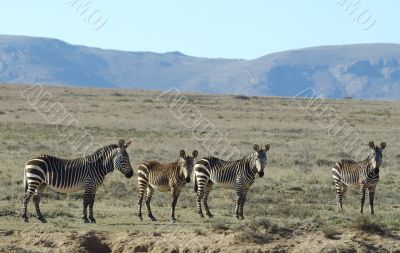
{"points": [[195, 183]]}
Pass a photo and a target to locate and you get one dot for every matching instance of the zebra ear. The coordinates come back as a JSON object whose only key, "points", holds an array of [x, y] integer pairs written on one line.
{"points": [[127, 144], [256, 147], [182, 153], [371, 144], [121, 143], [195, 153], [383, 145], [267, 147]]}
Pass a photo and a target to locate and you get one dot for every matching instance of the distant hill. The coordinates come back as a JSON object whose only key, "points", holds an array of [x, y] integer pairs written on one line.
{"points": [[367, 71]]}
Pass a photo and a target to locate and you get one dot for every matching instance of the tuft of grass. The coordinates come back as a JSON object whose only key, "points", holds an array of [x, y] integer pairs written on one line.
{"points": [[365, 224], [330, 233], [252, 236], [59, 213], [156, 233], [219, 226], [260, 231], [324, 163], [199, 231]]}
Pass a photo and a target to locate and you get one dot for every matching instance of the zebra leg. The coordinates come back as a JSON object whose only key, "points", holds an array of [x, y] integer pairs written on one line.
{"points": [[86, 200], [142, 192], [363, 189], [239, 193], [205, 200], [149, 194], [340, 190], [199, 196], [371, 200], [237, 208], [31, 189], [91, 203], [241, 216], [174, 196], [36, 201]]}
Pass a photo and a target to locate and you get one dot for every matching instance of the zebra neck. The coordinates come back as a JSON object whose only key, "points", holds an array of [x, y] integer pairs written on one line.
{"points": [[371, 164], [251, 164], [103, 160], [177, 168]]}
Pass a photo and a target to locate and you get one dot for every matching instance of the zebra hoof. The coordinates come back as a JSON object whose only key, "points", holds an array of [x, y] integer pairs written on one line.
{"points": [[153, 218], [26, 219], [210, 215], [92, 220], [173, 221], [85, 220], [140, 218], [201, 215]]}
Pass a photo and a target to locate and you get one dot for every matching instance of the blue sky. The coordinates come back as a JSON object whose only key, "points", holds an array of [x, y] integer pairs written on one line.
{"points": [[209, 28]]}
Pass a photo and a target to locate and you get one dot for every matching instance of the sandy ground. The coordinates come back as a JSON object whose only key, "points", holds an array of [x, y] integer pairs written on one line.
{"points": [[280, 240]]}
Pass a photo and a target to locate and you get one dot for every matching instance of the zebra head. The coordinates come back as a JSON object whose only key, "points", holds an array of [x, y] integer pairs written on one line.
{"points": [[376, 154], [121, 159], [185, 163], [260, 158]]}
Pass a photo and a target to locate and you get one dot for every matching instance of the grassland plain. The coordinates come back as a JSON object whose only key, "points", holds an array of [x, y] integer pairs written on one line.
{"points": [[291, 209]]}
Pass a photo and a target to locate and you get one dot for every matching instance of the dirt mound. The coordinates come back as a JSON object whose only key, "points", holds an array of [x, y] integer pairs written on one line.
{"points": [[264, 237], [90, 242]]}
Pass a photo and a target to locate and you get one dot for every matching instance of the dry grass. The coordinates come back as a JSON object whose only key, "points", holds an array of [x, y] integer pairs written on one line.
{"points": [[296, 193]]}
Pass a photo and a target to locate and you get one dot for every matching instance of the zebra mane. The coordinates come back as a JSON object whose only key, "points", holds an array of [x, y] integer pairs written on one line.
{"points": [[249, 156], [103, 150]]}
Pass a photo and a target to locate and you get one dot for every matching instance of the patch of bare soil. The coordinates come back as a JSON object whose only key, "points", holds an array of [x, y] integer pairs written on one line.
{"points": [[271, 239]]}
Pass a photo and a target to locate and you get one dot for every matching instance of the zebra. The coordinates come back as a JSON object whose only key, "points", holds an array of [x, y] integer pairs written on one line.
{"points": [[363, 174], [238, 175], [164, 177], [67, 176]]}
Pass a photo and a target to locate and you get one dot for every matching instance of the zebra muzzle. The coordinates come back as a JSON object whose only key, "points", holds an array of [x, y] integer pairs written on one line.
{"points": [[129, 174], [261, 173], [188, 180]]}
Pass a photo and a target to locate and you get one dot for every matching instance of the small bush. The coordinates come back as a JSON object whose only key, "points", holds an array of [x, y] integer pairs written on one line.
{"points": [[156, 233], [295, 188], [242, 97], [116, 94], [260, 231], [252, 236], [330, 233], [325, 163], [199, 231], [365, 224]]}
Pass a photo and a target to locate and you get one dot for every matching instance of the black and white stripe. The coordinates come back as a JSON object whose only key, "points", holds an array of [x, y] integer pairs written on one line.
{"points": [[67, 176], [364, 174], [238, 175], [170, 177]]}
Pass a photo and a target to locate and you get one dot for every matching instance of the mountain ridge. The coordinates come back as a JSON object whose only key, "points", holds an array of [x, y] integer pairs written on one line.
{"points": [[367, 71]]}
